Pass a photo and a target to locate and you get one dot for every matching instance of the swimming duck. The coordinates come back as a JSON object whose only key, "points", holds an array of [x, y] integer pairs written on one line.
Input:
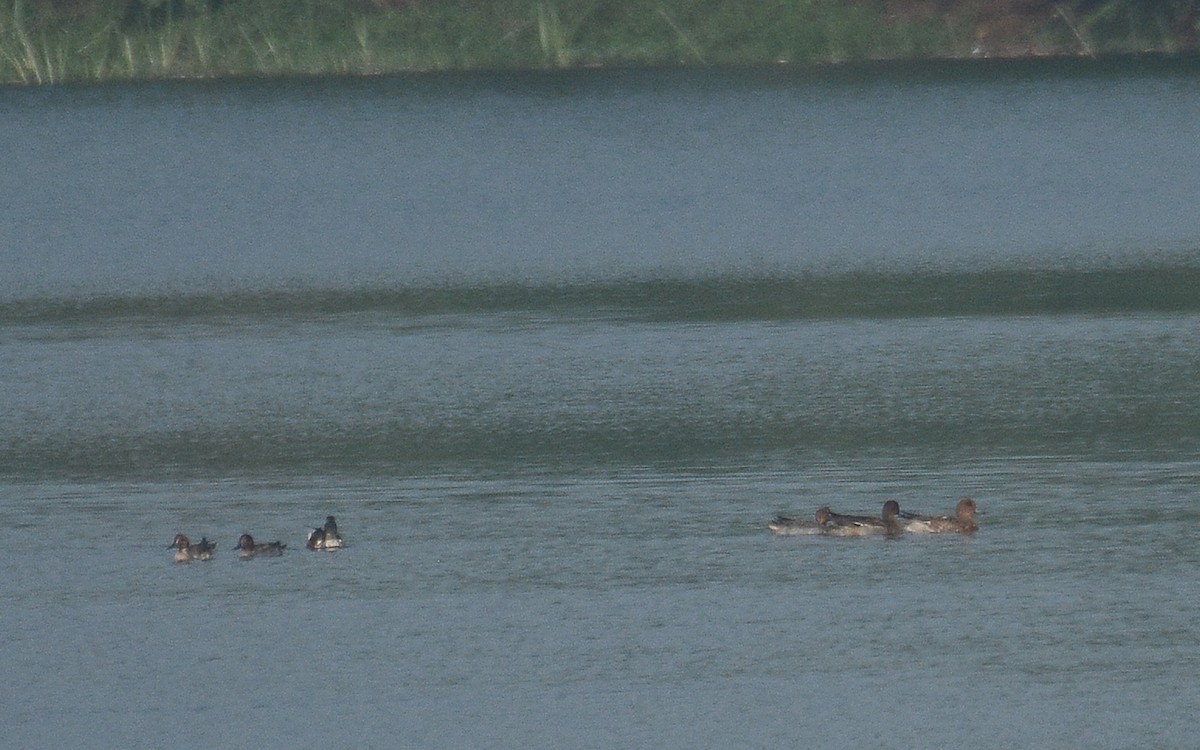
{"points": [[185, 551], [784, 526], [844, 525], [248, 548], [963, 521], [325, 537]]}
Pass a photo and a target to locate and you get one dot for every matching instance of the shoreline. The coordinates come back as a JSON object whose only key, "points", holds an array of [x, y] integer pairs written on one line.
{"points": [[934, 68], [40, 43]]}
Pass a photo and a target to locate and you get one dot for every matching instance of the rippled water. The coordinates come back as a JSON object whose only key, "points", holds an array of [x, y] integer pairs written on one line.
{"points": [[553, 348]]}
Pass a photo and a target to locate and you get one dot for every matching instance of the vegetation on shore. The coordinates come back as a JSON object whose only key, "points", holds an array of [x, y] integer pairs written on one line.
{"points": [[49, 41]]}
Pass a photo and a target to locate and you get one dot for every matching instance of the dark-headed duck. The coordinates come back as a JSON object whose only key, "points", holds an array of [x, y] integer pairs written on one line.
{"points": [[325, 537]]}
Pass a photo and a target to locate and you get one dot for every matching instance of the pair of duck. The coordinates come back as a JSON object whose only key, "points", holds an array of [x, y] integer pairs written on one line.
{"points": [[890, 522], [322, 537], [325, 537]]}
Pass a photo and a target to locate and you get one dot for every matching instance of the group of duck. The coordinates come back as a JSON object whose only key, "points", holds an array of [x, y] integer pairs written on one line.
{"points": [[890, 522], [324, 537]]}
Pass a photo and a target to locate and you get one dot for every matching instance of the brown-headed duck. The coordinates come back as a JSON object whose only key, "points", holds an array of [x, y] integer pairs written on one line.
{"points": [[248, 548], [785, 526], [185, 551], [963, 521], [844, 525]]}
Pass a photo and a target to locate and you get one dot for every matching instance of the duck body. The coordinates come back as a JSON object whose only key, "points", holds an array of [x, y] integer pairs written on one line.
{"points": [[785, 526], [185, 551], [248, 548]]}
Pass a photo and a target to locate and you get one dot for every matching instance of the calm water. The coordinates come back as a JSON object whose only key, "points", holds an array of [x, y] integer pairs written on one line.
{"points": [[553, 348]]}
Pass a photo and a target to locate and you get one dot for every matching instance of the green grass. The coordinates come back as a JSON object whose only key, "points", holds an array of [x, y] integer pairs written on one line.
{"points": [[1127, 26], [51, 41]]}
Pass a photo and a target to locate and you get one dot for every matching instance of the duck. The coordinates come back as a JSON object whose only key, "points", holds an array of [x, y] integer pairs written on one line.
{"points": [[846, 525], [963, 521], [247, 548], [325, 537], [330, 527], [785, 526], [185, 551]]}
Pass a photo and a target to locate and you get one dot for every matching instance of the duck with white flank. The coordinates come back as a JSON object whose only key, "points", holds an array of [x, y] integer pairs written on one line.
{"points": [[185, 551], [325, 537]]}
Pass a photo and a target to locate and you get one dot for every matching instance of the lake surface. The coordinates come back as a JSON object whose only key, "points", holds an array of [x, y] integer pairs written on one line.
{"points": [[553, 348]]}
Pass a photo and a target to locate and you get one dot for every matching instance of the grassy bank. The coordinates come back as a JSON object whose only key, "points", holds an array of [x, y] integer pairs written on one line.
{"points": [[48, 41]]}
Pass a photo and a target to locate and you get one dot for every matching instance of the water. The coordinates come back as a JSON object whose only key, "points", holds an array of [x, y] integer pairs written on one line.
{"points": [[554, 348]]}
